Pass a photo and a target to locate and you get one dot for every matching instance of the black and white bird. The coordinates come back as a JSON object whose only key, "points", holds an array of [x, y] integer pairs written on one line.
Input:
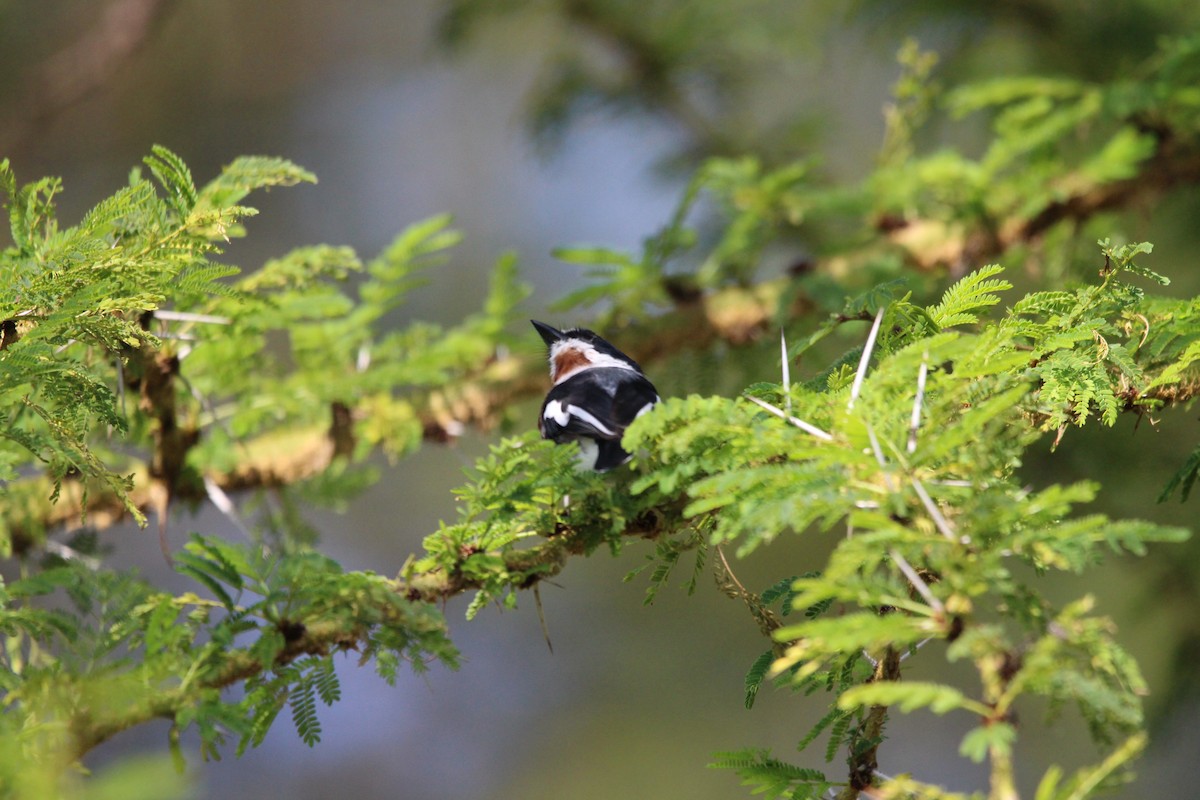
{"points": [[598, 391]]}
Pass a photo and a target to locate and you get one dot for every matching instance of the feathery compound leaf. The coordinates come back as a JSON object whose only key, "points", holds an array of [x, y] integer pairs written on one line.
{"points": [[303, 700], [266, 705], [771, 777], [175, 178], [962, 302], [329, 689], [1185, 364], [1074, 388], [997, 737], [1086, 781], [909, 696], [247, 173], [782, 589], [816, 642], [1183, 479], [756, 675], [1122, 259], [835, 715]]}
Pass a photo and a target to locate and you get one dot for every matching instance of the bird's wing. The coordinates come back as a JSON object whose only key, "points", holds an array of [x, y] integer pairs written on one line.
{"points": [[599, 407], [634, 398]]}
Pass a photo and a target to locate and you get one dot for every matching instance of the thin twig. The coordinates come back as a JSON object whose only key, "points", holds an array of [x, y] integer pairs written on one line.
{"points": [[729, 571], [922, 374], [537, 601], [940, 521], [866, 359], [799, 423]]}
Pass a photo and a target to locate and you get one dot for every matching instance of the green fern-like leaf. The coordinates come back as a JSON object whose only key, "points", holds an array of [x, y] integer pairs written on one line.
{"points": [[835, 716], [839, 735], [781, 590], [1074, 387], [962, 302], [303, 700], [325, 679], [1122, 258], [266, 706], [175, 178], [770, 777], [908, 696], [247, 173], [1183, 479], [756, 675]]}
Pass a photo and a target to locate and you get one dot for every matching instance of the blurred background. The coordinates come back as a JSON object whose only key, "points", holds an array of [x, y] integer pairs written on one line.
{"points": [[547, 123]]}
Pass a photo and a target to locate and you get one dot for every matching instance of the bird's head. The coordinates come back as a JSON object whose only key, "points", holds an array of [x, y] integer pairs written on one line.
{"points": [[576, 349]]}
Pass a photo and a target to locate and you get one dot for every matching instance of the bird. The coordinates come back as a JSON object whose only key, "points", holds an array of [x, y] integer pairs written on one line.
{"points": [[597, 392]]}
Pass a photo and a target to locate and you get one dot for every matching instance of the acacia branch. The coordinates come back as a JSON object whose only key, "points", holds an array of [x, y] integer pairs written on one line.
{"points": [[735, 315], [864, 763], [282, 458], [930, 243], [326, 631]]}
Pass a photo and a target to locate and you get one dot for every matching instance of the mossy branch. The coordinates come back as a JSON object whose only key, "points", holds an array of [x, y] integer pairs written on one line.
{"points": [[327, 632]]}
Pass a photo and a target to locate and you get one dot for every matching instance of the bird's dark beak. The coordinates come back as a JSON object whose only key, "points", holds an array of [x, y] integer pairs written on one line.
{"points": [[549, 335]]}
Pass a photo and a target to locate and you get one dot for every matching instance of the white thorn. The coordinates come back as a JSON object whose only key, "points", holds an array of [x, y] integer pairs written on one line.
{"points": [[904, 656], [866, 359], [875, 446], [915, 579], [68, 553], [121, 385], [225, 505], [787, 377], [217, 495], [922, 374], [887, 478], [799, 423], [941, 522], [188, 316]]}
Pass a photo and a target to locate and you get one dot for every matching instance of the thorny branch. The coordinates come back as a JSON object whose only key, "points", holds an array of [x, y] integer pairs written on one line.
{"points": [[321, 635], [736, 315], [1174, 164]]}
